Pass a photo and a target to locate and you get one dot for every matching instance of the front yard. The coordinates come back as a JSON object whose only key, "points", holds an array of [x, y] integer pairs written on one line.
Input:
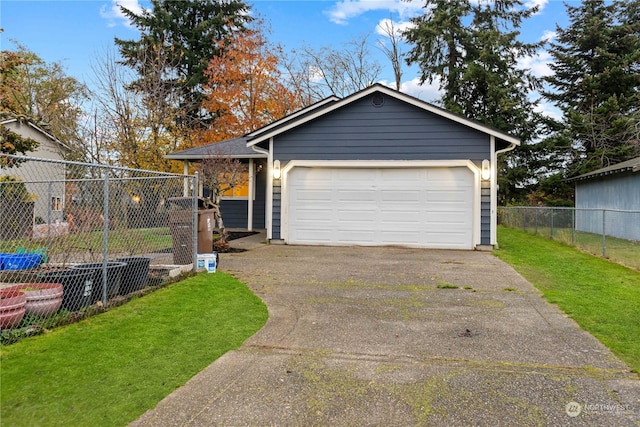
{"points": [[109, 369]]}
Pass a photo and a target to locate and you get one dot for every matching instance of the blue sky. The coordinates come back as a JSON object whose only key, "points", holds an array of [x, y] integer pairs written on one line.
{"points": [[74, 32]]}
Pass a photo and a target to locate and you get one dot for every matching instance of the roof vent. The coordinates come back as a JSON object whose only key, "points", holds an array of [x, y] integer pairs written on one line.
{"points": [[377, 100]]}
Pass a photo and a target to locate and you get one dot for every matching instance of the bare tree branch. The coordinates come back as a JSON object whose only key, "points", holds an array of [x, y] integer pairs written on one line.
{"points": [[220, 173], [393, 52]]}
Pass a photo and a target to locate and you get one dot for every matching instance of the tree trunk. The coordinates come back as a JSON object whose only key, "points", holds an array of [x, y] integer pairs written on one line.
{"points": [[218, 219]]}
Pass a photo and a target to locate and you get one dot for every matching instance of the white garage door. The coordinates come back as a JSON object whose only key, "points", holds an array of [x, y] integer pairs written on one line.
{"points": [[420, 207]]}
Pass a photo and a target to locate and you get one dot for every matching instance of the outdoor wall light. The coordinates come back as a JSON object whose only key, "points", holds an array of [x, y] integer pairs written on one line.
{"points": [[486, 169], [276, 169]]}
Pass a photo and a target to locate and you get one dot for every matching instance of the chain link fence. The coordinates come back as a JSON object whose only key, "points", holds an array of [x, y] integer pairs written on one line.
{"points": [[612, 234], [76, 237]]}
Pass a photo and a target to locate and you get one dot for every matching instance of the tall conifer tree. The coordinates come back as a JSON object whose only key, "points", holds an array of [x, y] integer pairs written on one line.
{"points": [[596, 82], [177, 41], [473, 50]]}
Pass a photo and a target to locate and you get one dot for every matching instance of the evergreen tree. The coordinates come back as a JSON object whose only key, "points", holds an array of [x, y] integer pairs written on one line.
{"points": [[596, 80], [440, 40], [472, 49], [177, 41]]}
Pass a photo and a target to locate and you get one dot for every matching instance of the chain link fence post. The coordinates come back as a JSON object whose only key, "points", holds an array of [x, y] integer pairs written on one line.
{"points": [[196, 225]]}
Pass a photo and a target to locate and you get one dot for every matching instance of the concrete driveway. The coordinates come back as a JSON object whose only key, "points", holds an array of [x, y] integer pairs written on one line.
{"points": [[380, 336]]}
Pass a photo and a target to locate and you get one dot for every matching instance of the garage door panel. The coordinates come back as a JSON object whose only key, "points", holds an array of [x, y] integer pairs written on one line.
{"points": [[367, 219], [314, 235], [388, 218], [318, 214], [395, 238], [313, 195], [444, 238], [349, 236], [423, 207], [355, 176], [356, 195], [404, 196]]}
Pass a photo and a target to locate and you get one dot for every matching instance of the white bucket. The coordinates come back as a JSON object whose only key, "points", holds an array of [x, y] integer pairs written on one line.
{"points": [[208, 262]]}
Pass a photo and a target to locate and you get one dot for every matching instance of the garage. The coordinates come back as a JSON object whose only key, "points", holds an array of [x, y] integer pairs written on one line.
{"points": [[431, 207], [377, 167]]}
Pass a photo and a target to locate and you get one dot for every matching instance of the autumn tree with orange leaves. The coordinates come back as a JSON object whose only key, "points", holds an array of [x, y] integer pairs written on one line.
{"points": [[245, 87]]}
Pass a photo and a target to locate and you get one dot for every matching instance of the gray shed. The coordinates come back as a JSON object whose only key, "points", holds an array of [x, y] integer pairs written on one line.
{"points": [[609, 196], [378, 167]]}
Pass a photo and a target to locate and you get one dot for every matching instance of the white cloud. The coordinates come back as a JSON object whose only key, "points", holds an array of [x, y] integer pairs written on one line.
{"points": [[426, 92], [344, 10], [548, 109], [538, 64], [540, 3], [399, 27], [114, 15], [548, 36]]}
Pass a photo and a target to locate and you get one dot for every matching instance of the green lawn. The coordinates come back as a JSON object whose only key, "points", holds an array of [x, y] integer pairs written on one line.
{"points": [[626, 252], [134, 240], [601, 296], [109, 369]]}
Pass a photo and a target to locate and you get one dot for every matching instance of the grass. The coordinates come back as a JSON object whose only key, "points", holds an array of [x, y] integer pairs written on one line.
{"points": [[601, 296], [626, 252], [120, 241], [109, 369]]}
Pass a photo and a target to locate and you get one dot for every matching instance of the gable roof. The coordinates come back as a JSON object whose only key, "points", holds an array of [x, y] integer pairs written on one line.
{"points": [[632, 165], [295, 120], [37, 128], [297, 114], [236, 147]]}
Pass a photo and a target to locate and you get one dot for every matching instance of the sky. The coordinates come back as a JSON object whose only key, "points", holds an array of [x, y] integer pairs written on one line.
{"points": [[77, 32]]}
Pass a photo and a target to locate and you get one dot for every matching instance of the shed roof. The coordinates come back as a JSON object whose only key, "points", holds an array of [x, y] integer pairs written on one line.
{"points": [[632, 165]]}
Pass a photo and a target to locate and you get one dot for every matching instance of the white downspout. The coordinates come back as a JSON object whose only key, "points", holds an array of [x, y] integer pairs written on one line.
{"points": [[494, 188]]}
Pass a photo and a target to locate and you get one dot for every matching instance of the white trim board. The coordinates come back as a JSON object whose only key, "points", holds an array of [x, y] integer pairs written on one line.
{"points": [[373, 164]]}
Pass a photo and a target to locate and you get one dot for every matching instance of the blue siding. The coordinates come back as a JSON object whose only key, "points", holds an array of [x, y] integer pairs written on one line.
{"points": [[234, 213], [485, 213], [618, 192], [277, 210], [395, 131]]}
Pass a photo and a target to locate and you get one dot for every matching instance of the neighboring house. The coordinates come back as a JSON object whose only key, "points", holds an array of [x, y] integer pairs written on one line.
{"points": [[378, 167], [603, 193], [43, 180]]}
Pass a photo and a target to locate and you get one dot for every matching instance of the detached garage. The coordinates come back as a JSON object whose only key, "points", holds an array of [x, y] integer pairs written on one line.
{"points": [[378, 167]]}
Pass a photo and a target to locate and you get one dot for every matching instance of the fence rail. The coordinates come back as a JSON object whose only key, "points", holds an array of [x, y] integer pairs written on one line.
{"points": [[612, 234], [82, 234]]}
